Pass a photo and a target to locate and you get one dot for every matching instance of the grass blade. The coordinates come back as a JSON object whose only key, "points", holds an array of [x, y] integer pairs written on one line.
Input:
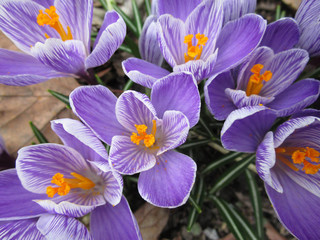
{"points": [[63, 98], [37, 133]]}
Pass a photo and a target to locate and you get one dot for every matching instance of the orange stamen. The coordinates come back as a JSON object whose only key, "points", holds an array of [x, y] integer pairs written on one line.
{"points": [[194, 52], [148, 139], [51, 18], [256, 80]]}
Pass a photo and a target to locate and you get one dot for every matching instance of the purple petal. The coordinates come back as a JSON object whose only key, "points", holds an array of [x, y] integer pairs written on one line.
{"points": [[65, 208], [134, 108], [15, 201], [285, 67], [78, 16], [281, 35], [296, 97], [217, 101], [234, 9], [265, 161], [62, 227], [79, 137], [307, 112], [206, 19], [114, 222], [175, 128], [243, 34], [20, 229], [169, 182], [66, 57], [143, 72], [113, 186], [95, 106], [128, 158], [296, 205], [177, 8], [109, 39], [307, 17], [179, 92], [148, 42], [45, 3], [171, 37], [18, 21], [245, 128], [19, 69]]}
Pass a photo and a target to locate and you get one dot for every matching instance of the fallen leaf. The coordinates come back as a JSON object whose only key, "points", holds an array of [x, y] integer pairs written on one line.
{"points": [[151, 220], [19, 105], [294, 4]]}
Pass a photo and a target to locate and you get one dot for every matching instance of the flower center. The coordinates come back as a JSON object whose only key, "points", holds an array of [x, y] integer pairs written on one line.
{"points": [[66, 184], [194, 52], [306, 157], [257, 80], [51, 18], [148, 139]]}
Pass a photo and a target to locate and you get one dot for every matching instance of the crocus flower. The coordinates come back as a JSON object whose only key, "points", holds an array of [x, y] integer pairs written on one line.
{"points": [[192, 39], [307, 17], [266, 78], [71, 180], [287, 160], [234, 9], [55, 40], [143, 133]]}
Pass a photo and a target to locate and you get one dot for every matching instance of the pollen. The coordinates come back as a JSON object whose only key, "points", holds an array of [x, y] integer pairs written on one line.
{"points": [[148, 139], [194, 52], [51, 18], [257, 80], [66, 184]]}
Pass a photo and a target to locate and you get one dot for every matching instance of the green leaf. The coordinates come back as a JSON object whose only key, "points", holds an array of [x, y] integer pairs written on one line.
{"points": [[278, 11], [233, 172], [256, 203], [196, 143], [63, 98], [206, 128], [133, 46], [38, 134], [127, 20], [104, 4], [125, 48], [99, 80], [220, 162], [128, 85], [148, 7], [136, 16]]}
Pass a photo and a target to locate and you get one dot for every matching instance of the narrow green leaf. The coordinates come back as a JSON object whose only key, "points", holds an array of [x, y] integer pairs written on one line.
{"points": [[278, 11], [63, 98], [127, 20], [220, 162], [205, 126], [137, 16], [197, 143], [104, 4], [125, 48], [256, 203], [128, 85], [133, 46], [99, 80], [233, 172], [148, 7], [38, 134], [195, 204]]}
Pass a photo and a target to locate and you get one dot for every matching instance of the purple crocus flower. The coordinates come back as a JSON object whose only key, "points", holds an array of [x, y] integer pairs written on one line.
{"points": [[71, 180], [192, 38], [234, 9], [143, 133], [266, 78], [55, 40], [307, 17], [287, 160]]}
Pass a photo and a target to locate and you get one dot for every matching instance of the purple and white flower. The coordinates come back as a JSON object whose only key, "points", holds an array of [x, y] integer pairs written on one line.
{"points": [[144, 132], [54, 39]]}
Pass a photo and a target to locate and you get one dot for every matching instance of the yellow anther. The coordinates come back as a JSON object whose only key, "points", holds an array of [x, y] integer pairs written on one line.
{"points": [[51, 18], [148, 139], [298, 157], [256, 80], [194, 52]]}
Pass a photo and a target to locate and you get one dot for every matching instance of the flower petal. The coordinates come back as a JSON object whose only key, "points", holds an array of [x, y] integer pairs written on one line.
{"points": [[114, 222], [20, 229], [245, 128], [177, 8], [109, 39], [234, 9], [66, 57], [79, 137], [169, 182], [148, 42], [306, 113], [113, 186], [179, 92], [281, 35], [15, 201], [307, 17], [296, 97], [19, 69], [134, 108], [143, 72], [95, 106], [243, 34], [62, 227], [128, 158], [217, 101], [78, 16]]}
